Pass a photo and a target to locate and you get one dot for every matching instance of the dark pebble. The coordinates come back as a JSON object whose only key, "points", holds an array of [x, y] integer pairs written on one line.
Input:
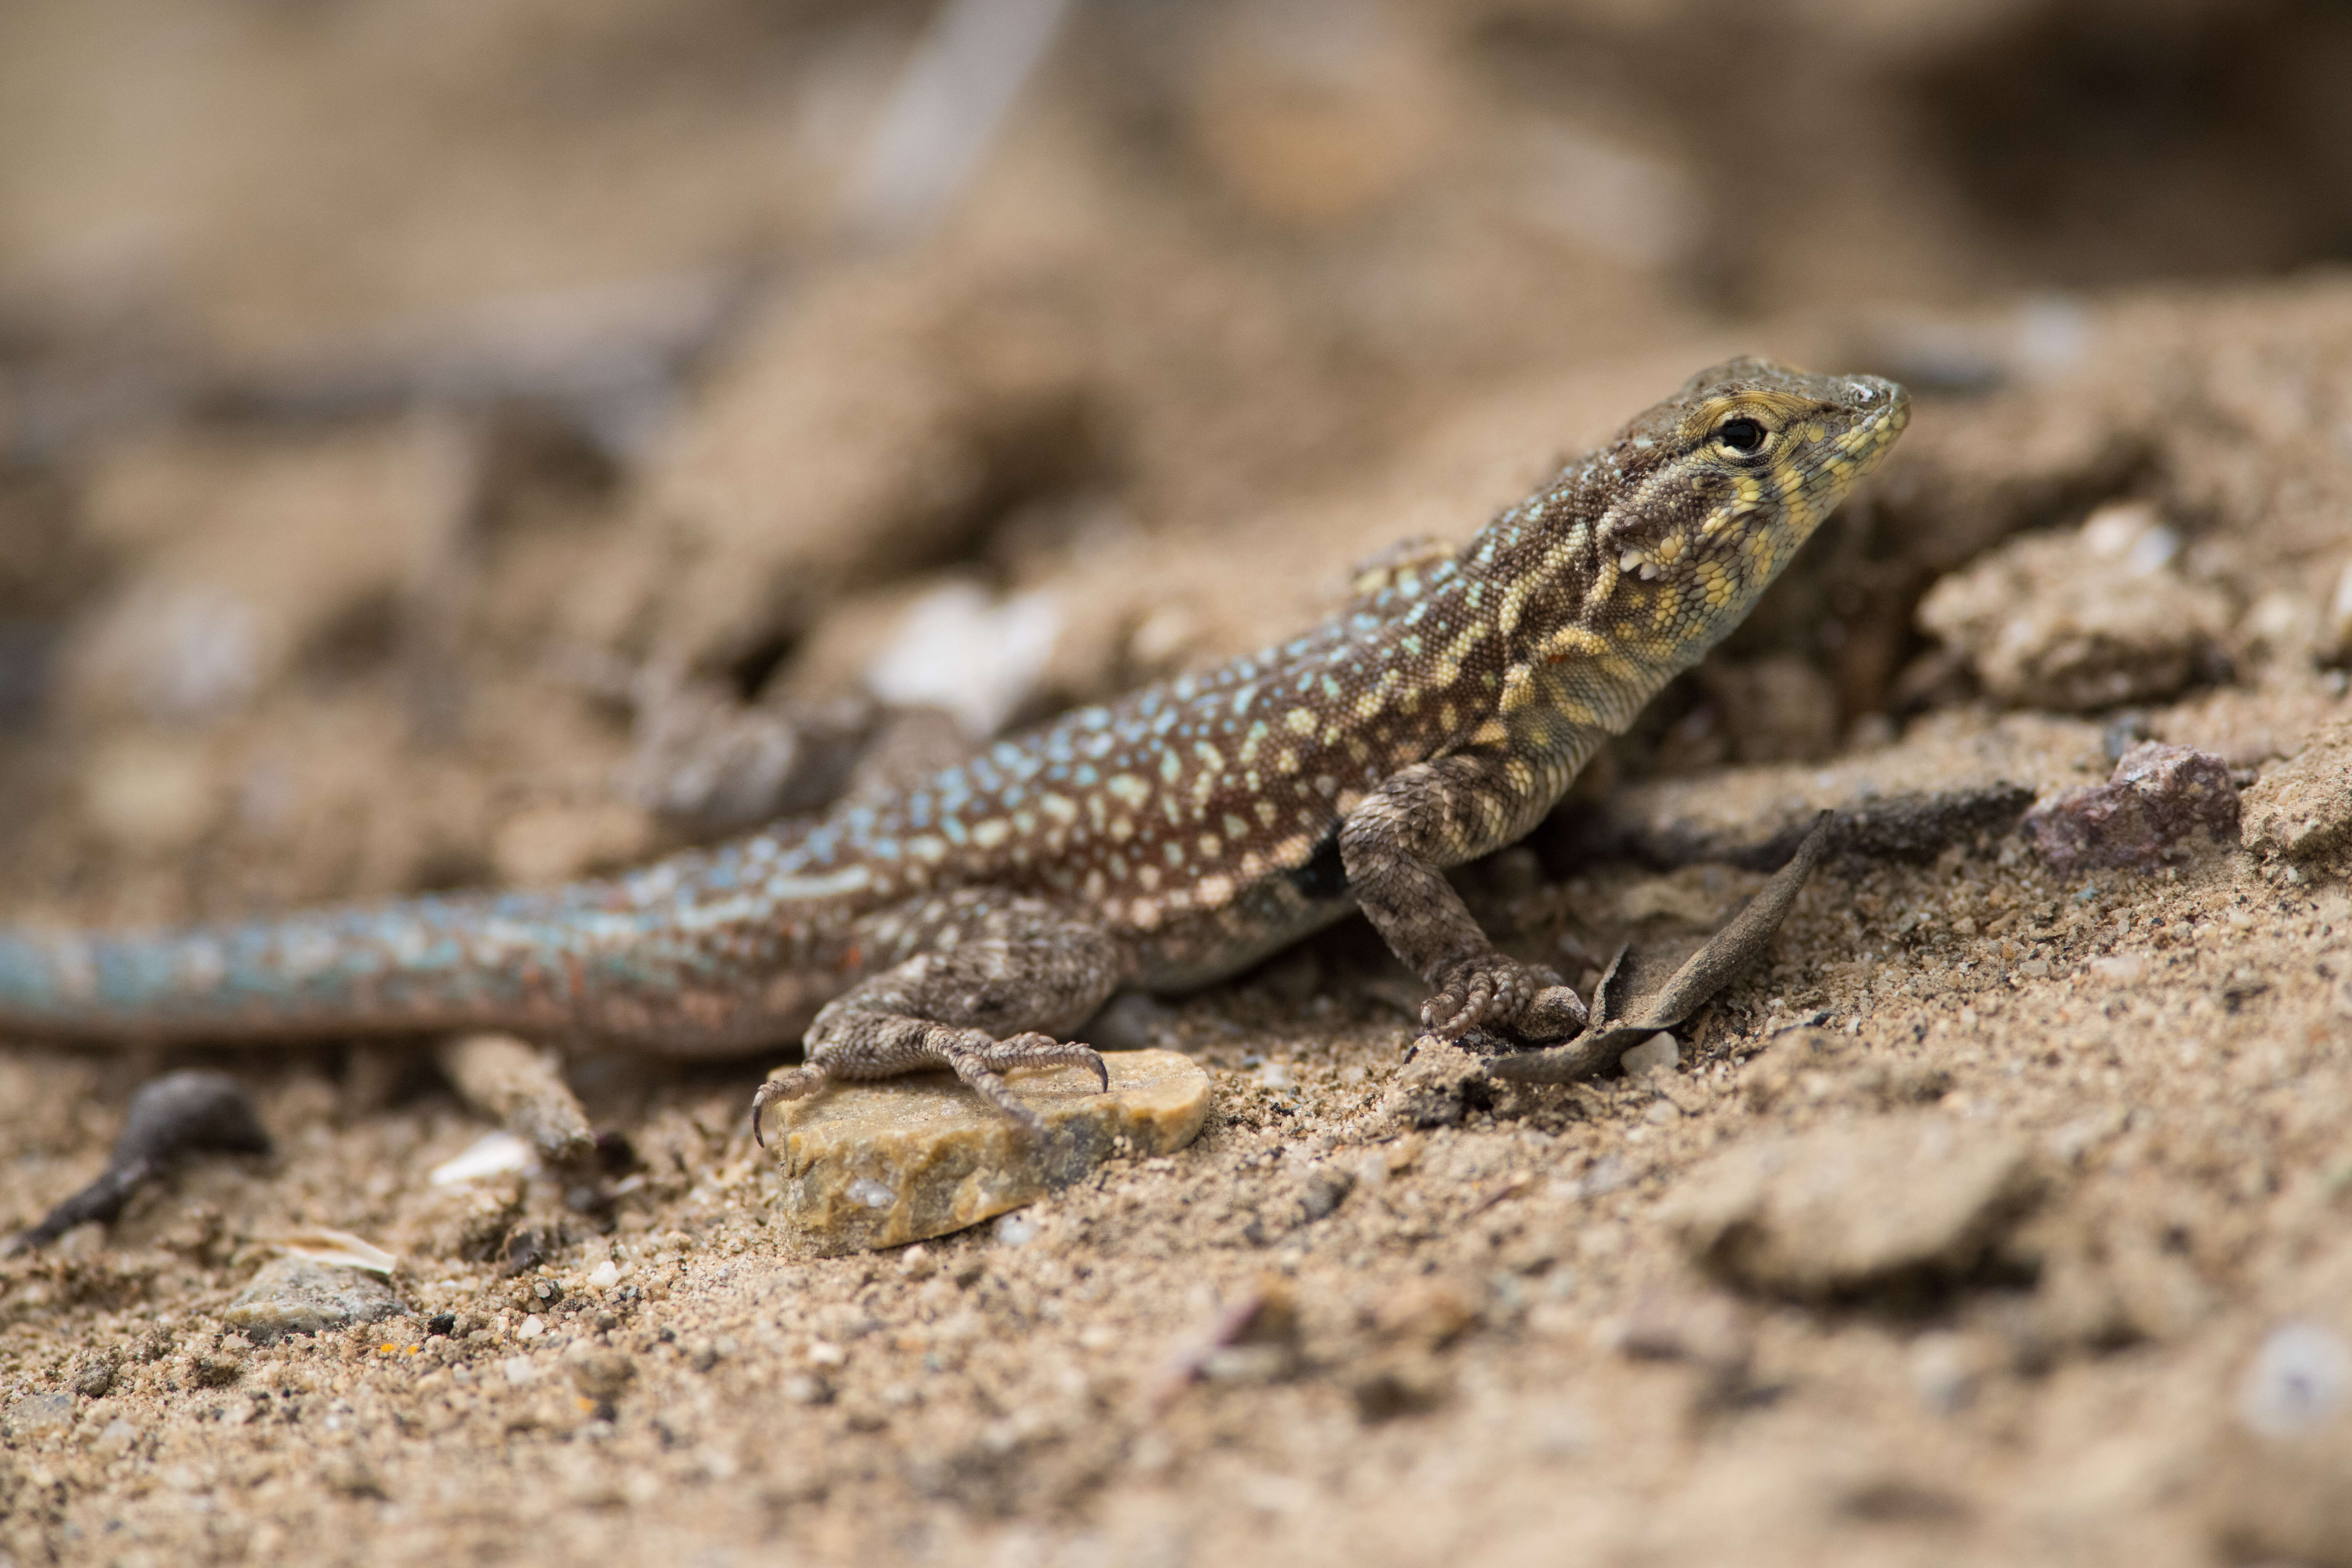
{"points": [[2159, 798]]}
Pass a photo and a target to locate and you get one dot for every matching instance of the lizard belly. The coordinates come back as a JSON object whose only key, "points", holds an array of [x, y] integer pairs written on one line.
{"points": [[1208, 945]]}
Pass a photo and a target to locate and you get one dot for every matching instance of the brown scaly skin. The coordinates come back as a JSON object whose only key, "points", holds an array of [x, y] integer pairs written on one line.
{"points": [[1179, 835], [1569, 613]]}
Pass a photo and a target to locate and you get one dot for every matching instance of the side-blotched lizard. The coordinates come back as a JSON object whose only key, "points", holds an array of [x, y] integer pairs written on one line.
{"points": [[1159, 842]]}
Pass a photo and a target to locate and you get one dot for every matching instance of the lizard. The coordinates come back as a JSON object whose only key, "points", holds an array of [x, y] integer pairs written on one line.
{"points": [[1159, 842]]}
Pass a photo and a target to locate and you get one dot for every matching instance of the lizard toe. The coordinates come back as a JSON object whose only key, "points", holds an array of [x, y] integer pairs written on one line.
{"points": [[1494, 989], [1553, 1013], [791, 1084]]}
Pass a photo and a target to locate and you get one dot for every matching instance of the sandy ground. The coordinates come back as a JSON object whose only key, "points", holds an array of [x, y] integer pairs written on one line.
{"points": [[267, 639], [1495, 1344]]}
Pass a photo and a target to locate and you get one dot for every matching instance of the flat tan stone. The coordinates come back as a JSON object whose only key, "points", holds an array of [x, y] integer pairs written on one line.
{"points": [[1853, 1207], [880, 1164]]}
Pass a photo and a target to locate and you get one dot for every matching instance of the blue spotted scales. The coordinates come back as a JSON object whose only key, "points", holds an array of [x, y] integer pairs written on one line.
{"points": [[1159, 842]]}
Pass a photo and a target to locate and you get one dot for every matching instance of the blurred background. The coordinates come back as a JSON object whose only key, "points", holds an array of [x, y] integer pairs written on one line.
{"points": [[446, 440]]}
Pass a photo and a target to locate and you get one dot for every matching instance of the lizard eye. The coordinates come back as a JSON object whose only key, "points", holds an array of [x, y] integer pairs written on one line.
{"points": [[1743, 436]]}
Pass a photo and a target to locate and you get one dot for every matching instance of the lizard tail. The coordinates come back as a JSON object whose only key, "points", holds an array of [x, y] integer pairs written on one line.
{"points": [[412, 965], [562, 964]]}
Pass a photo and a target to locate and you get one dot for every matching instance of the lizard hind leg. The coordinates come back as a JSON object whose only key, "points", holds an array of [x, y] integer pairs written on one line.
{"points": [[990, 979]]}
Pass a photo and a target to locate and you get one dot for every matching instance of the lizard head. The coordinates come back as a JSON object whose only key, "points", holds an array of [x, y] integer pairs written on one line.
{"points": [[1706, 495]]}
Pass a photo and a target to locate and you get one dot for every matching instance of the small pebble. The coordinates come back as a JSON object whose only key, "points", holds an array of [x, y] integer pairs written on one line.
{"points": [[37, 1412], [296, 1295], [532, 1328], [1562, 1432], [803, 1389], [1131, 1022], [1943, 1373], [2298, 1382], [1660, 1053], [605, 1276], [1015, 1230], [489, 1155], [2335, 631], [601, 1374], [2301, 809], [1324, 1189]]}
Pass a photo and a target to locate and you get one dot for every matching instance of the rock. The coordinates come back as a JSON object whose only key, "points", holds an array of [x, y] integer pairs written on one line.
{"points": [[2299, 1383], [1706, 1329], [2081, 620], [959, 648], [1945, 1369], [2281, 1476], [36, 1414], [2302, 809], [1398, 1385], [1854, 1208], [1322, 1190], [707, 764], [1776, 708], [1131, 1021], [2159, 797], [299, 1296], [602, 1375], [230, 584], [94, 1378], [878, 1165], [1429, 1313], [1952, 777]]}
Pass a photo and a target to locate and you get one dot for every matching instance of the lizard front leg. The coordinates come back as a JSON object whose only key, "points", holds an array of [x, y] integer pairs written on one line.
{"points": [[1395, 846], [994, 978]]}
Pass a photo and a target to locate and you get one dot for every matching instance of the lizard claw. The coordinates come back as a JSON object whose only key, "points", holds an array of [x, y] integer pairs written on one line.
{"points": [[791, 1084]]}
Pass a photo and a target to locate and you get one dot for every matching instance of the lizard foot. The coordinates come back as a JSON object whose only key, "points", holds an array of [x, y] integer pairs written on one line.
{"points": [[1491, 989], [791, 1084], [979, 1067]]}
